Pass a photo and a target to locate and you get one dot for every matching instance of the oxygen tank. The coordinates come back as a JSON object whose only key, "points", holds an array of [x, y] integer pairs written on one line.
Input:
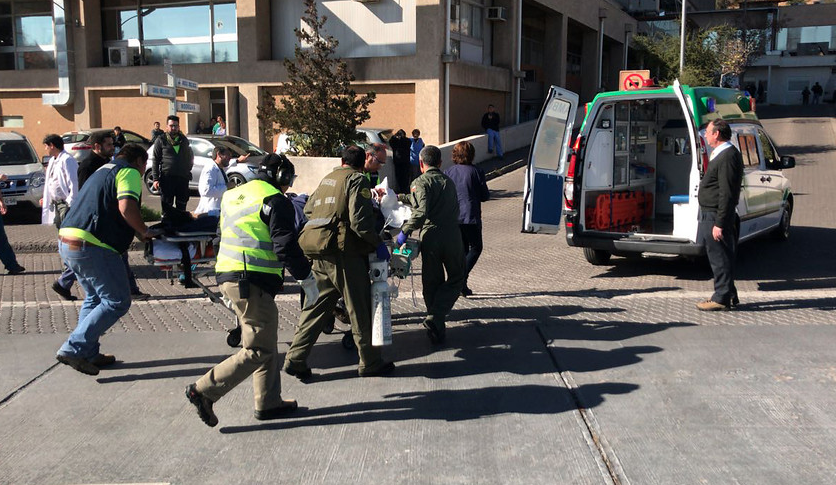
{"points": [[381, 305]]}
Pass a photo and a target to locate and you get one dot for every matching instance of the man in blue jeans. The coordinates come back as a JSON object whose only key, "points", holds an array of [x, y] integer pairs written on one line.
{"points": [[98, 228], [490, 123]]}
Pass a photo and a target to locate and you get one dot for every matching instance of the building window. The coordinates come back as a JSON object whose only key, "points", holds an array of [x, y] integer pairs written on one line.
{"points": [[466, 18], [26, 35], [816, 40], [187, 32], [11, 121]]}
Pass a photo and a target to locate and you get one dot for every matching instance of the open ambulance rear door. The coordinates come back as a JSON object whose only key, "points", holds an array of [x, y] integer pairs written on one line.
{"points": [[685, 216], [543, 191]]}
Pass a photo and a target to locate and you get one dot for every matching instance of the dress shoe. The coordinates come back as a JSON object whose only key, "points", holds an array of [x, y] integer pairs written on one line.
{"points": [[735, 301], [63, 292], [81, 365], [711, 306], [283, 409], [302, 375], [103, 360], [203, 405], [383, 369], [435, 332], [467, 292], [138, 295], [18, 270]]}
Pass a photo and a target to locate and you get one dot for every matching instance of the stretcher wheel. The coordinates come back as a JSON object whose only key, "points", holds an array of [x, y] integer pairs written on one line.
{"points": [[234, 337], [348, 341]]}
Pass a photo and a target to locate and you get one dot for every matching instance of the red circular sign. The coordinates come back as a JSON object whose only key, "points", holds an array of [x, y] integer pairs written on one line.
{"points": [[633, 81]]}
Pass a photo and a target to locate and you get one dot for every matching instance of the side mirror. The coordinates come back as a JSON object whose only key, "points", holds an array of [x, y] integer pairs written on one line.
{"points": [[45, 160], [787, 162]]}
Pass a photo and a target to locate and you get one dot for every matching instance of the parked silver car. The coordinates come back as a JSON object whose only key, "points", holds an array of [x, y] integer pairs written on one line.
{"points": [[20, 163], [77, 143], [203, 146]]}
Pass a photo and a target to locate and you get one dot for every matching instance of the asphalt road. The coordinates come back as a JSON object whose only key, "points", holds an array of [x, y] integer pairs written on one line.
{"points": [[556, 371]]}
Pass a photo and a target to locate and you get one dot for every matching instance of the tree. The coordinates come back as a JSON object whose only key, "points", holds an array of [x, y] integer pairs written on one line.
{"points": [[711, 55], [319, 110]]}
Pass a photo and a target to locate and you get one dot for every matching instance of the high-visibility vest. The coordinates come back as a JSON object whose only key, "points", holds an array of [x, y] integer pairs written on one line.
{"points": [[245, 238]]}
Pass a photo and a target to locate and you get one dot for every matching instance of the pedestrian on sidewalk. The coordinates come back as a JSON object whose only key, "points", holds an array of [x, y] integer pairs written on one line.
{"points": [[258, 240], [490, 123], [98, 228], [472, 189], [415, 147], [435, 214], [805, 96], [7, 254], [817, 92], [400, 157]]}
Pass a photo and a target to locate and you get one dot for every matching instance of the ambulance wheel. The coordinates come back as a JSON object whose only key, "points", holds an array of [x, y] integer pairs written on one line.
{"points": [[348, 341], [234, 337], [597, 257]]}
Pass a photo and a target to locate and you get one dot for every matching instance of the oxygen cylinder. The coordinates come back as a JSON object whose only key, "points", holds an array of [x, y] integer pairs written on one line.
{"points": [[381, 305]]}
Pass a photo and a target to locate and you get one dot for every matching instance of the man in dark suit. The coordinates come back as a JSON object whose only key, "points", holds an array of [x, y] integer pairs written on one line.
{"points": [[718, 196]]}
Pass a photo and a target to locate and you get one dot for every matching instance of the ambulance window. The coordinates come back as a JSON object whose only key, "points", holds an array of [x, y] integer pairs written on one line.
{"points": [[748, 150], [548, 144], [768, 150]]}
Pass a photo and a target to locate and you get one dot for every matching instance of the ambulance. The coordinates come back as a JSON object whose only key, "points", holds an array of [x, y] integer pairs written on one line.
{"points": [[628, 183]]}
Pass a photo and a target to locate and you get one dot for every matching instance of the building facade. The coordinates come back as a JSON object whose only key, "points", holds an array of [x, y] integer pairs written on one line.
{"points": [[434, 64]]}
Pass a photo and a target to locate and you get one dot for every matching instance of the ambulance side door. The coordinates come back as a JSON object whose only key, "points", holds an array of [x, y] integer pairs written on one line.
{"points": [[543, 190], [685, 220]]}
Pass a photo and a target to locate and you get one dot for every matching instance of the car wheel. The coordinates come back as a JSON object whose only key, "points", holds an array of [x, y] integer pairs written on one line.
{"points": [[237, 179], [597, 257], [782, 232], [149, 183]]}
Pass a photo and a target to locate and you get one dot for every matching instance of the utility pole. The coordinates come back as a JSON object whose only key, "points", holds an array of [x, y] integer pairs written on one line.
{"points": [[682, 41]]}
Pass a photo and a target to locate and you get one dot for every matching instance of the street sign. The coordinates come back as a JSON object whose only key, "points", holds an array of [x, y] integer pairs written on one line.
{"points": [[184, 107], [156, 91], [186, 84], [629, 80]]}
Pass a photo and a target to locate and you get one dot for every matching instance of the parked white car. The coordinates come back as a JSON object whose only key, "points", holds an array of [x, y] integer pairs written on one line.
{"points": [[20, 163]]}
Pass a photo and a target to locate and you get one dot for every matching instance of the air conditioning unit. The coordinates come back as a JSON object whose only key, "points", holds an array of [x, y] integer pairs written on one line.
{"points": [[117, 56], [497, 14]]}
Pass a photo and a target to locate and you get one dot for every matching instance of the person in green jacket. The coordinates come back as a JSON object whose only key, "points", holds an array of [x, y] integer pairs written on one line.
{"points": [[435, 213]]}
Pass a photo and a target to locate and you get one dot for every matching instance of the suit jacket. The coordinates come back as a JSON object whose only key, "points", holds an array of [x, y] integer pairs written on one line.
{"points": [[720, 186]]}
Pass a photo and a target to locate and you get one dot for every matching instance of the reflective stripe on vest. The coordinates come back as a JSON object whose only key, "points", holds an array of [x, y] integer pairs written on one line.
{"points": [[245, 238]]}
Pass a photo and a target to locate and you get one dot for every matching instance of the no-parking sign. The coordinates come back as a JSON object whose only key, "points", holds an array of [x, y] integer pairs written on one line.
{"points": [[629, 80]]}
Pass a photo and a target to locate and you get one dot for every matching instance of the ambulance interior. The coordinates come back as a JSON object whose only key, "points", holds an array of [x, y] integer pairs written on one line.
{"points": [[636, 167]]}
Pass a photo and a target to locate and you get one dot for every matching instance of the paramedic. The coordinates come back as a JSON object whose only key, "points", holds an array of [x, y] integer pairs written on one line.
{"points": [[172, 166], [719, 193], [98, 228], [339, 237], [258, 240], [435, 213]]}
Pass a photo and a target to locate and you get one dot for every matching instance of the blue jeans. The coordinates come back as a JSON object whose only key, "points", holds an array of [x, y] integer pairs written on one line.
{"points": [[101, 273], [67, 278], [494, 140], [7, 254]]}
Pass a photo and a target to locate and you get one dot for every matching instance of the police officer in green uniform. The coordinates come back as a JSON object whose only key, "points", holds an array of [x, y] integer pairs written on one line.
{"points": [[258, 240], [339, 237], [435, 213]]}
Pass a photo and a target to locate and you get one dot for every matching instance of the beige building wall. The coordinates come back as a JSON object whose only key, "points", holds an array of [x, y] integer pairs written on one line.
{"points": [[467, 105], [38, 120], [127, 109]]}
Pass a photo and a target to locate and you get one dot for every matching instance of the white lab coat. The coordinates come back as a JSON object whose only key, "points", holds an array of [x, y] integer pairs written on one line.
{"points": [[211, 188], [61, 182]]}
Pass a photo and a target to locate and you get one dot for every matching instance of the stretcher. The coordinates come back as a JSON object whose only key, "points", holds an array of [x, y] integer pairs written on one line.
{"points": [[186, 256]]}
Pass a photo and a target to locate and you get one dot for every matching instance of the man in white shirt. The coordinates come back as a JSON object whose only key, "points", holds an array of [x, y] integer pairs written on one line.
{"points": [[213, 182], [61, 184]]}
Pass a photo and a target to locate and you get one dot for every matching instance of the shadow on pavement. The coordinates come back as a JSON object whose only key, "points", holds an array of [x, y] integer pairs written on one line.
{"points": [[609, 331], [591, 293], [196, 371], [448, 405], [824, 304], [204, 359]]}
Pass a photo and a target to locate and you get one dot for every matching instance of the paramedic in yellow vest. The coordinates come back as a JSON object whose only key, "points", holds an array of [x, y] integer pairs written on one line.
{"points": [[258, 241], [339, 237]]}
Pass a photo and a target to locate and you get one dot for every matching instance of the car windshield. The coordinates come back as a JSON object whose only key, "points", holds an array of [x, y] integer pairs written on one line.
{"points": [[385, 135], [236, 150], [16, 152], [245, 146]]}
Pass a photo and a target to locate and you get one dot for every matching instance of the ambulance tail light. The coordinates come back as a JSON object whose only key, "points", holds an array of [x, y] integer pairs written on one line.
{"points": [[569, 184], [82, 146]]}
